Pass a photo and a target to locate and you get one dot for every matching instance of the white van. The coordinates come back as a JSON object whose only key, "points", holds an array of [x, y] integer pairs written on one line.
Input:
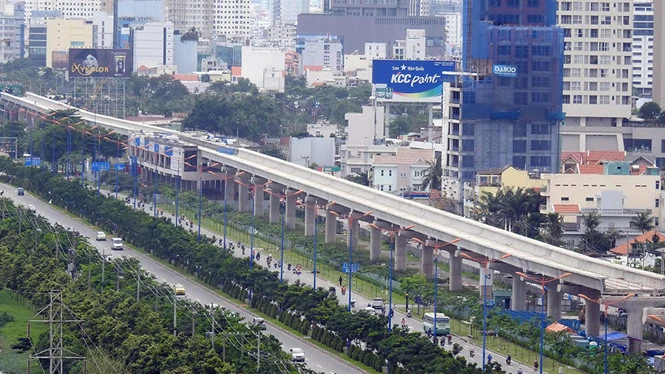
{"points": [[116, 244]]}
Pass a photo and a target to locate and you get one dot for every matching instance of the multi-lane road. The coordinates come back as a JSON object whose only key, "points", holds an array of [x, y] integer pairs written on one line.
{"points": [[316, 358]]}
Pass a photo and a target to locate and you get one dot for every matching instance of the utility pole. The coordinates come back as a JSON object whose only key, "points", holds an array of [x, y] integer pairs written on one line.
{"points": [[258, 351], [175, 321], [212, 315], [138, 284], [55, 352]]}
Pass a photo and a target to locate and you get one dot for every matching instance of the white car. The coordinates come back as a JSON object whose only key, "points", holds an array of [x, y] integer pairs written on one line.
{"points": [[297, 355], [116, 244], [32, 208], [101, 235]]}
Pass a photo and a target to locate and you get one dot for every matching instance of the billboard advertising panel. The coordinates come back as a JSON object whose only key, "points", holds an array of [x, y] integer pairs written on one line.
{"points": [[100, 63], [413, 81]]}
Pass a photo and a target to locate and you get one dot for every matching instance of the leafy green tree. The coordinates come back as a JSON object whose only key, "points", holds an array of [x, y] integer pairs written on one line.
{"points": [[552, 229], [361, 178], [650, 111], [594, 240]]}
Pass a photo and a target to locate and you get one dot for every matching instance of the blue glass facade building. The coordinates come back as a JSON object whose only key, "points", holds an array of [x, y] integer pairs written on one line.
{"points": [[510, 110]]}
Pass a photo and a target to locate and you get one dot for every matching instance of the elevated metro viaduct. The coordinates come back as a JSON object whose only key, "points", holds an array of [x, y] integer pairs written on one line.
{"points": [[215, 167]]}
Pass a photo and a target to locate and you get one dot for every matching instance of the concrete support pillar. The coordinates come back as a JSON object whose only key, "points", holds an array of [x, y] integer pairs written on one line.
{"points": [[400, 252], [230, 191], [426, 265], [455, 264], [290, 212], [486, 283], [258, 199], [518, 297], [553, 302], [375, 244], [331, 227], [243, 199], [634, 329], [274, 215], [352, 235], [592, 314], [310, 215]]}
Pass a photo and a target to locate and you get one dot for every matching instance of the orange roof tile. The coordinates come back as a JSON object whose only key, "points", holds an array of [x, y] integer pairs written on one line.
{"points": [[593, 157], [622, 249], [592, 169], [566, 208], [576, 155]]}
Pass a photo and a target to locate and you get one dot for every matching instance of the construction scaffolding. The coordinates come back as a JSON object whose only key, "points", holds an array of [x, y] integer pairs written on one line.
{"points": [[105, 96]]}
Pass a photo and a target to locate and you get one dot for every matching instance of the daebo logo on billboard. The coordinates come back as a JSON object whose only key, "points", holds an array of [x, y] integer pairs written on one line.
{"points": [[410, 80], [104, 63]]}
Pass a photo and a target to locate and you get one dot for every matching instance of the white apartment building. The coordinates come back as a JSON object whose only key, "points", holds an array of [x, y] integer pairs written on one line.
{"points": [[453, 33], [323, 52], [412, 48], [232, 18], [153, 45], [643, 24], [11, 27], [71, 9], [376, 51], [264, 66], [187, 14], [402, 171], [598, 37], [658, 92], [102, 27]]}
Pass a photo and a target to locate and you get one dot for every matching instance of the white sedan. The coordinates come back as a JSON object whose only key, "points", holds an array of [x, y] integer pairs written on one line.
{"points": [[101, 235], [297, 355]]}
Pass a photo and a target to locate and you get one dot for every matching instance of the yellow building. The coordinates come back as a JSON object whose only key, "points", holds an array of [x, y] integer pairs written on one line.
{"points": [[63, 34], [491, 180]]}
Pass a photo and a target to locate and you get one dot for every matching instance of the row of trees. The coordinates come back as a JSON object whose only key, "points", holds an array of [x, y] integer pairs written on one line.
{"points": [[132, 327], [411, 351]]}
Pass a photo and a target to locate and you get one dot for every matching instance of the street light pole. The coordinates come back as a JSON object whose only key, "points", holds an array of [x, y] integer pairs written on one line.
{"points": [[392, 233], [607, 306], [283, 196], [350, 267], [542, 281], [486, 265]]}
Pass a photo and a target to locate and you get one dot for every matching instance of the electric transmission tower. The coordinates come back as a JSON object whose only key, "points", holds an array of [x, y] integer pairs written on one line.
{"points": [[56, 353]]}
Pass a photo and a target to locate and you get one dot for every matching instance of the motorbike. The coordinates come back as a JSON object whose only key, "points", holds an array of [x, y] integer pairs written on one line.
{"points": [[343, 290], [472, 352], [508, 360]]}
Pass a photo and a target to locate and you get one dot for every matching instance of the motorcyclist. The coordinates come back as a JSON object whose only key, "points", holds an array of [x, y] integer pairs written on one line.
{"points": [[508, 359]]}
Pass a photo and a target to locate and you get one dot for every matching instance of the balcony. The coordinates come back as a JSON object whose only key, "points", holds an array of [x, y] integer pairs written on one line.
{"points": [[614, 212]]}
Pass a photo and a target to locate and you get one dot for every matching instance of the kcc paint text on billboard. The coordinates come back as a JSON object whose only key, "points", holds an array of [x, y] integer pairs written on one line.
{"points": [[410, 80]]}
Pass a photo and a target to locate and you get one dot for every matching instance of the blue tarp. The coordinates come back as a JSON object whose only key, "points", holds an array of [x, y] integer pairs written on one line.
{"points": [[613, 336]]}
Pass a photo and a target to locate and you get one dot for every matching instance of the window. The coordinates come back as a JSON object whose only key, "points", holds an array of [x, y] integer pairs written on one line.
{"points": [[519, 146], [657, 203], [541, 161], [519, 161], [468, 145], [565, 198], [540, 97], [519, 131], [540, 145], [533, 3], [605, 86], [468, 161], [520, 98], [540, 128], [589, 199], [381, 172], [604, 99]]}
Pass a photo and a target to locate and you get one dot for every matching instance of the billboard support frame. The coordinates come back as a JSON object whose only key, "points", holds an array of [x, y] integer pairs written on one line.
{"points": [[103, 96]]}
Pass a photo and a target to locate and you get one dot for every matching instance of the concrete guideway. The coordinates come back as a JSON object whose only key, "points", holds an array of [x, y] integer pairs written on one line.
{"points": [[526, 254], [590, 276]]}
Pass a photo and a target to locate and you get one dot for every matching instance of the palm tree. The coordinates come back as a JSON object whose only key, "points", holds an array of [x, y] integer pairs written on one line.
{"points": [[591, 221], [553, 228], [642, 221], [432, 175]]}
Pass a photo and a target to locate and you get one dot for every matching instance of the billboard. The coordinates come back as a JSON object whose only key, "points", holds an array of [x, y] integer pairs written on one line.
{"points": [[412, 81], [100, 63]]}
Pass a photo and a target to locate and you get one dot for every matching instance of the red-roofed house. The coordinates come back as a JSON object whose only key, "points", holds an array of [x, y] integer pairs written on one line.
{"points": [[623, 249]]}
